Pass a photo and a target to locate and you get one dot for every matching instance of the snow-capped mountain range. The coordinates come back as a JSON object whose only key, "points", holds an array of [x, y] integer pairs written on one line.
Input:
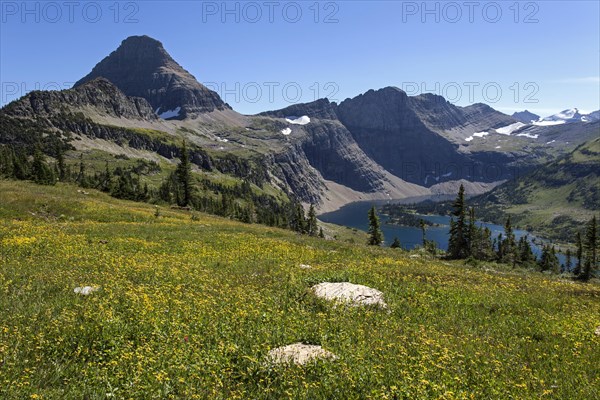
{"points": [[528, 127], [568, 116]]}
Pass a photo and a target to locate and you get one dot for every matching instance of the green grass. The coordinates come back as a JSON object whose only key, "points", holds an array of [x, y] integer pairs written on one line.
{"points": [[189, 309]]}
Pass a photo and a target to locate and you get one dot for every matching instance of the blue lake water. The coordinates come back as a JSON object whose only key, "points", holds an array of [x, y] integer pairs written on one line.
{"points": [[355, 215]]}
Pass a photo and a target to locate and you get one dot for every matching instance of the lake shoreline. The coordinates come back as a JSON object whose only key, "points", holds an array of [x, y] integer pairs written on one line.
{"points": [[354, 215]]}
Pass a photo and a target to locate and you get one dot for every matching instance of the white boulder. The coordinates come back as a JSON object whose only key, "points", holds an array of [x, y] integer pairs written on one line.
{"points": [[299, 353], [85, 290], [351, 293]]}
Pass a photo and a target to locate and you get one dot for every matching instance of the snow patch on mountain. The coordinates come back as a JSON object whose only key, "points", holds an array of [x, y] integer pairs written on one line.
{"points": [[528, 135], [303, 120], [286, 131], [476, 134], [507, 130], [548, 123]]}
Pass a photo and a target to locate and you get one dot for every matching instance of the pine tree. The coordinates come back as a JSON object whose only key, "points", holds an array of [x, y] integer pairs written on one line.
{"points": [[568, 261], [471, 233], [298, 222], [60, 163], [525, 254], [41, 173], [554, 263], [486, 245], [457, 244], [105, 180], [321, 234], [579, 244], [6, 162], [396, 244], [375, 234], [82, 179], [184, 177], [20, 165], [509, 248], [591, 249], [500, 247], [544, 261], [423, 237], [311, 223]]}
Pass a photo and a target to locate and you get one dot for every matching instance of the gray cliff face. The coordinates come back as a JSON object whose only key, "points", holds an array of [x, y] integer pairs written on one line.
{"points": [[293, 168], [389, 130], [141, 67], [330, 149]]}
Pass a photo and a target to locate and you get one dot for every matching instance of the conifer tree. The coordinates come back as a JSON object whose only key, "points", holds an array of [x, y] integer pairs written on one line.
{"points": [[509, 248], [299, 221], [41, 173], [568, 261], [20, 165], [82, 179], [554, 263], [396, 244], [423, 237], [184, 177], [457, 244], [471, 233], [60, 163], [6, 162], [311, 223], [591, 249], [579, 244], [525, 254], [375, 234], [321, 234]]}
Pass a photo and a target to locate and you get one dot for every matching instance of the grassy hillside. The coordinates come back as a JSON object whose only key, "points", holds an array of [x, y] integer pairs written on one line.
{"points": [[189, 307], [554, 200]]}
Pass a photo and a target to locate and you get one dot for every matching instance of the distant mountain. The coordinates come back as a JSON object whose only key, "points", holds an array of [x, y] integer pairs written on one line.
{"points": [[525, 117], [594, 116], [570, 115], [141, 67]]}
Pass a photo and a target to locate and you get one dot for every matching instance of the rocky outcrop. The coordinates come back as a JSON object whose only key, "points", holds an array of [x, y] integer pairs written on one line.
{"points": [[141, 67], [98, 96], [292, 168], [321, 109]]}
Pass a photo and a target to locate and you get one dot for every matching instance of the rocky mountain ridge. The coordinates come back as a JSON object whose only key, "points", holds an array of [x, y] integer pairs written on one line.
{"points": [[382, 144]]}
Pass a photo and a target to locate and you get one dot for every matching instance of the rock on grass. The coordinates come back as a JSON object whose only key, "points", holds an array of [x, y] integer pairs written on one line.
{"points": [[300, 354], [349, 293], [85, 290]]}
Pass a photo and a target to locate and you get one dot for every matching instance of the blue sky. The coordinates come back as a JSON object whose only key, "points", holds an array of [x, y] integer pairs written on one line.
{"points": [[259, 55]]}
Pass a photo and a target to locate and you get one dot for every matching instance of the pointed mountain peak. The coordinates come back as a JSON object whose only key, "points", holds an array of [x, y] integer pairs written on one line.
{"points": [[142, 67], [142, 39], [526, 116]]}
